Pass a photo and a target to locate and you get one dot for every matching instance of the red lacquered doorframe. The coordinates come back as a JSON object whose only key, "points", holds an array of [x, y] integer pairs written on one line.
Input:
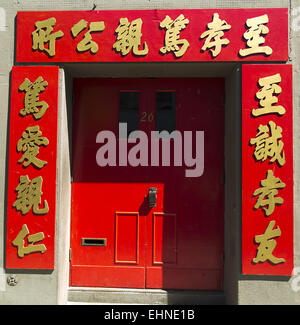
{"points": [[179, 243]]}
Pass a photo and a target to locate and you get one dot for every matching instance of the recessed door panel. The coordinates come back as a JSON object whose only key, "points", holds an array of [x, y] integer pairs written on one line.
{"points": [[164, 238], [127, 238]]}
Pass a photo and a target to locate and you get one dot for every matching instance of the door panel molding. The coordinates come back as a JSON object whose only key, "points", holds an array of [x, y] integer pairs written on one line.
{"points": [[164, 238], [127, 238]]}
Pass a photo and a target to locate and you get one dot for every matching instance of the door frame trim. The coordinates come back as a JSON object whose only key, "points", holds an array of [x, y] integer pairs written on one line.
{"points": [[232, 223]]}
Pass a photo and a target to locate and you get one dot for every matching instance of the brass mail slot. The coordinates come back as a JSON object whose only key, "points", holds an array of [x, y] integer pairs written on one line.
{"points": [[93, 241]]}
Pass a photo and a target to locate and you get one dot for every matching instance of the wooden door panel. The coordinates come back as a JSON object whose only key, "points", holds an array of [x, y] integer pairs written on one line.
{"points": [[106, 201], [164, 245], [108, 276], [197, 202], [127, 230], [184, 278]]}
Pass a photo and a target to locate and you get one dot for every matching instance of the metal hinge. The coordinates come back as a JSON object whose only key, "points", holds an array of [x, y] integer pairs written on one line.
{"points": [[70, 254]]}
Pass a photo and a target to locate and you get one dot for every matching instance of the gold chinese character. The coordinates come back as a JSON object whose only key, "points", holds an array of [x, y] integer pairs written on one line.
{"points": [[267, 245], [87, 44], [32, 105], [253, 36], [29, 196], [266, 96], [268, 144], [129, 37], [267, 193], [19, 242], [43, 35], [172, 41], [29, 144], [214, 35]]}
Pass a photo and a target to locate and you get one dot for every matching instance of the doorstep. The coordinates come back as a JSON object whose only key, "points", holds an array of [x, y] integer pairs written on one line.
{"points": [[87, 295]]}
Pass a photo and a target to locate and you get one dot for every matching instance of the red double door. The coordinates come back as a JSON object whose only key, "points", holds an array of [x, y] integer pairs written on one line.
{"points": [[147, 226]]}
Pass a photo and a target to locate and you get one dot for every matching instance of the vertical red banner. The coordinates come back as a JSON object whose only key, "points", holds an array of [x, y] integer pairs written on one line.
{"points": [[31, 192], [267, 169]]}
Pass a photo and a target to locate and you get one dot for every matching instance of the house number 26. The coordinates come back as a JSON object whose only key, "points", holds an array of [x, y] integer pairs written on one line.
{"points": [[147, 117]]}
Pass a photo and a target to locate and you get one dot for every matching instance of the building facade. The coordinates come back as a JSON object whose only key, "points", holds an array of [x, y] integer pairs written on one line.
{"points": [[90, 214]]}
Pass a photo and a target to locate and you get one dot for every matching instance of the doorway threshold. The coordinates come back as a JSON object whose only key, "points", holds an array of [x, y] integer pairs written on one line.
{"points": [[128, 296]]}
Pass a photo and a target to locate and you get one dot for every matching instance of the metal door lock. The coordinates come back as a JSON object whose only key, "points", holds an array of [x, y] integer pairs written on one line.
{"points": [[152, 196]]}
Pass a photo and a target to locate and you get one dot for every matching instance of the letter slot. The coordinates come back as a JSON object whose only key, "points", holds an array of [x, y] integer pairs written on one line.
{"points": [[93, 242]]}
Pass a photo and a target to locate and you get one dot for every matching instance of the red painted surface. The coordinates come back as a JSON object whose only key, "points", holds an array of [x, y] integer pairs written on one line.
{"points": [[152, 34], [48, 125], [179, 243], [254, 222]]}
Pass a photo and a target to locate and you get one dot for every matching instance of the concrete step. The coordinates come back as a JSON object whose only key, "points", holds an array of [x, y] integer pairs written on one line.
{"points": [[83, 295]]}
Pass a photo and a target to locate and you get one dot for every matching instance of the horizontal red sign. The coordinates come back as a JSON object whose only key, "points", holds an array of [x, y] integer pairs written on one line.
{"points": [[153, 35], [267, 169], [31, 191]]}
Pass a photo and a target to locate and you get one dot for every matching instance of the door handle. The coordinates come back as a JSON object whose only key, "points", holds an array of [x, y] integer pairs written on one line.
{"points": [[152, 196]]}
